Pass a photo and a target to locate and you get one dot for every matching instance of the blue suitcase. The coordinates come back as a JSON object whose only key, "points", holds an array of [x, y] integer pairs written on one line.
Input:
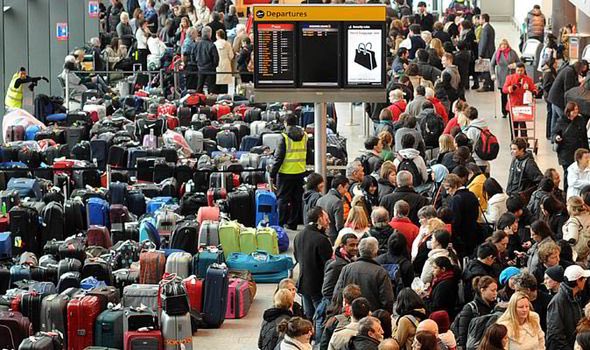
{"points": [[19, 273], [148, 231], [205, 258], [5, 245], [118, 191], [249, 142], [215, 295], [156, 203], [25, 187], [266, 208], [265, 268], [136, 203], [97, 212]]}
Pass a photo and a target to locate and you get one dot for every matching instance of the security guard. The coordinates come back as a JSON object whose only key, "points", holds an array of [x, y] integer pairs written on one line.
{"points": [[290, 165], [14, 93]]}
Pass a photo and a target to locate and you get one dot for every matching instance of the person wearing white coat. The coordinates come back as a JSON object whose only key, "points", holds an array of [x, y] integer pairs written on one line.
{"points": [[496, 200], [226, 56], [298, 332]]}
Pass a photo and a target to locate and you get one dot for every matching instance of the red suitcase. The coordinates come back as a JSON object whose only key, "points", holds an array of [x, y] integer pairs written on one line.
{"points": [[208, 213], [238, 299], [167, 109], [82, 314], [144, 340], [214, 194], [194, 290], [219, 110]]}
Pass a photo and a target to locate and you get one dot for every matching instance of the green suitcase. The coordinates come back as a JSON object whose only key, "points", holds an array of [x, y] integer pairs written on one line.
{"points": [[267, 240], [229, 237], [248, 240]]}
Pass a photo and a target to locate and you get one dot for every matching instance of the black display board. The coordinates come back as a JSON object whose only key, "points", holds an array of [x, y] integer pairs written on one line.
{"points": [[319, 45]]}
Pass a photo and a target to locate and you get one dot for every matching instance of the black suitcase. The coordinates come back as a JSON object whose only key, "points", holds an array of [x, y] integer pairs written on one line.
{"points": [[9, 199], [4, 279], [68, 265], [191, 202], [241, 204], [136, 203], [215, 295], [74, 218], [30, 306], [81, 151], [53, 222], [74, 134], [68, 280], [25, 229], [163, 170]]}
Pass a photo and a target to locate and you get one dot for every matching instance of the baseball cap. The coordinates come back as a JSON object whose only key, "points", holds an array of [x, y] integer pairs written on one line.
{"points": [[575, 272]]}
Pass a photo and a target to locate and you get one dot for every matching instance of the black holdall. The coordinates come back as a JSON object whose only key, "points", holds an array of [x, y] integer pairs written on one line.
{"points": [[365, 56], [173, 296]]}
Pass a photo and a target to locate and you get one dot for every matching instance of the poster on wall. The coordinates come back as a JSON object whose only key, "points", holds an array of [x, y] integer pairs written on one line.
{"points": [[93, 9], [364, 54], [62, 31]]}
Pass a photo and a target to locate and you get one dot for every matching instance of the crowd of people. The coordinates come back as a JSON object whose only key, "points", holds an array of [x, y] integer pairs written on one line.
{"points": [[417, 246]]}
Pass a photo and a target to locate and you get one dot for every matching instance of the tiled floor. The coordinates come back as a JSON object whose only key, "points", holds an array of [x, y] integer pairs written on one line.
{"points": [[243, 334]]}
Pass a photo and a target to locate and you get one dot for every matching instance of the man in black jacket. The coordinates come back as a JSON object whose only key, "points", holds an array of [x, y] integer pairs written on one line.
{"points": [[426, 70], [405, 191], [465, 208], [332, 203], [482, 266], [312, 249], [567, 78], [416, 40], [423, 18], [486, 48], [206, 58], [565, 311], [524, 175]]}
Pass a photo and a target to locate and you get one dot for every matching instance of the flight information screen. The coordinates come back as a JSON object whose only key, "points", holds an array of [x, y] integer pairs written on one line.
{"points": [[275, 56], [319, 55]]}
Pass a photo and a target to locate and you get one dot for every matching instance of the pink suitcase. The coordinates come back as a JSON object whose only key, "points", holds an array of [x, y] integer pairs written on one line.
{"points": [[208, 213], [238, 298]]}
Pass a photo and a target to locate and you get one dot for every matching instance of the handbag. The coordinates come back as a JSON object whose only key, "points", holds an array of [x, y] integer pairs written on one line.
{"points": [[365, 57], [527, 98], [482, 65]]}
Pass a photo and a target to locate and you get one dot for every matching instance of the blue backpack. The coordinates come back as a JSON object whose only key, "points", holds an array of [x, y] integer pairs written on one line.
{"points": [[91, 283], [25, 187], [393, 270], [97, 212], [283, 238]]}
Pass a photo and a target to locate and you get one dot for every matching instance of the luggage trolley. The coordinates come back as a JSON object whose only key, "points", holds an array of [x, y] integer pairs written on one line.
{"points": [[525, 114]]}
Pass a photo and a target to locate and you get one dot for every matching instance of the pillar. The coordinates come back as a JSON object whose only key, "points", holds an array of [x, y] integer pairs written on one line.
{"points": [[320, 139], [562, 13], [583, 23]]}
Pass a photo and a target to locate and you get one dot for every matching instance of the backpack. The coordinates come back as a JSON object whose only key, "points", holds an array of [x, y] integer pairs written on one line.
{"points": [[431, 126], [581, 245], [393, 270], [486, 146], [455, 325], [477, 328], [409, 165]]}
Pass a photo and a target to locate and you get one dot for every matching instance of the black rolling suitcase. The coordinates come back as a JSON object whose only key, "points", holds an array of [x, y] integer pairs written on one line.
{"points": [[30, 306], [215, 298], [43, 341], [241, 206]]}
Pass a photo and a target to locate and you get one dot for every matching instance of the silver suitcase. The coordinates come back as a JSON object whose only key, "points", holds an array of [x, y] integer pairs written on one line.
{"points": [[179, 263], [136, 295], [195, 140], [272, 141], [177, 332]]}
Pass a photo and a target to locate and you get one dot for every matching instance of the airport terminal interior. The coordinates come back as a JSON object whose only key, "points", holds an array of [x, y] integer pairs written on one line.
{"points": [[38, 36]]}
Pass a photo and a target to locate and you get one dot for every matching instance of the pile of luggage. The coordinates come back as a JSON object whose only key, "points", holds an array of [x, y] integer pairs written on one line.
{"points": [[132, 225]]}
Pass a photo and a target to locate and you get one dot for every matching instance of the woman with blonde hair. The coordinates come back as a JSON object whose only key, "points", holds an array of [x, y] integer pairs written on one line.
{"points": [[503, 63], [577, 228], [446, 144], [460, 119], [524, 327], [435, 52], [425, 233], [272, 317], [357, 221]]}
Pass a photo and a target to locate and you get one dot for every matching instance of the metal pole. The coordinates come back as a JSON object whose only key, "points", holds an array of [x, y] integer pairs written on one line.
{"points": [[365, 120], [351, 122], [67, 88], [320, 141]]}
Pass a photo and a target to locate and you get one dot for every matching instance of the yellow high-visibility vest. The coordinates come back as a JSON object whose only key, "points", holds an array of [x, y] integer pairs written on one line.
{"points": [[14, 96], [295, 156]]}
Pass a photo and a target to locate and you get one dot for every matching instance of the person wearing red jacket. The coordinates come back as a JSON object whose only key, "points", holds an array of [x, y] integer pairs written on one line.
{"points": [[398, 104], [439, 108], [515, 86]]}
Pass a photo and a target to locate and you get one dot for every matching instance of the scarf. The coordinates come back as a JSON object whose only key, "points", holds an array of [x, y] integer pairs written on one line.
{"points": [[506, 52], [447, 275]]}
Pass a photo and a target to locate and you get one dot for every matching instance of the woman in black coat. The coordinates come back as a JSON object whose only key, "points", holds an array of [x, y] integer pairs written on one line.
{"points": [[445, 286], [486, 289], [569, 135], [549, 74]]}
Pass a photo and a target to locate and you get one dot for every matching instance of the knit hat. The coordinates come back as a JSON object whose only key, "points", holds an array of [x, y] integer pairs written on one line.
{"points": [[507, 273], [555, 273], [442, 320]]}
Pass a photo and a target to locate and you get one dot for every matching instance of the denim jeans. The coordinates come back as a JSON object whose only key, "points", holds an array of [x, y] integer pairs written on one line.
{"points": [[320, 317], [310, 303]]}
